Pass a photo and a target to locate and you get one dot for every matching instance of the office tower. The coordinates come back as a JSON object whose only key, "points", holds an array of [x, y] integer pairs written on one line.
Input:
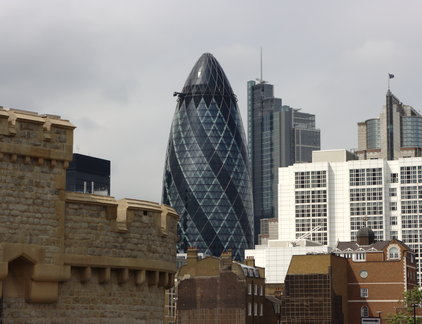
{"points": [[278, 136], [206, 174], [397, 133], [88, 174]]}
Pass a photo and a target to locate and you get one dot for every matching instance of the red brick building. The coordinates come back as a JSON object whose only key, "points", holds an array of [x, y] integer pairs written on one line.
{"points": [[378, 273], [214, 290]]}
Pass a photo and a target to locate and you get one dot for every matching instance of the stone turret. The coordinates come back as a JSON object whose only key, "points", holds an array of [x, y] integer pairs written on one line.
{"points": [[64, 250]]}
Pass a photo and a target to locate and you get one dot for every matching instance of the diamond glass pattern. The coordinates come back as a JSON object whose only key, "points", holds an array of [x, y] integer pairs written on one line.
{"points": [[206, 174]]}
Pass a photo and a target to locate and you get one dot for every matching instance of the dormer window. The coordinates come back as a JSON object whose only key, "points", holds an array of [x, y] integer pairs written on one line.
{"points": [[393, 253]]}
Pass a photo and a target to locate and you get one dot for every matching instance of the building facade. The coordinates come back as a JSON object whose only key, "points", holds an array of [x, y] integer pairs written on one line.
{"points": [[397, 133], [68, 257], [315, 290], [88, 174], [206, 174], [220, 290], [278, 136], [378, 272], [336, 192]]}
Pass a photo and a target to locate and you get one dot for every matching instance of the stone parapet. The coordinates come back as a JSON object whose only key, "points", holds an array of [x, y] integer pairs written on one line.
{"points": [[49, 236]]}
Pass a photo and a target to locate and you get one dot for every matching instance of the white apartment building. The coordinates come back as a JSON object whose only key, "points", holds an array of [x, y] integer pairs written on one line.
{"points": [[337, 192]]}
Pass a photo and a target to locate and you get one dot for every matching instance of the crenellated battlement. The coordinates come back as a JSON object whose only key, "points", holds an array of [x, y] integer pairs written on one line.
{"points": [[54, 242]]}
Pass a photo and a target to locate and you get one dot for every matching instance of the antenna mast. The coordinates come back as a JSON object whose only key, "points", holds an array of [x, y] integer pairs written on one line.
{"points": [[260, 79]]}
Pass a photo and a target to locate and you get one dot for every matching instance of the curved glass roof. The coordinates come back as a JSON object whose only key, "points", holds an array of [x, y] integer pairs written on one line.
{"points": [[207, 77]]}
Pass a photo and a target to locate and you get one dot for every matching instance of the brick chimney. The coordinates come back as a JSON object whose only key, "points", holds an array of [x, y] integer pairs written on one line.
{"points": [[192, 255], [250, 261], [226, 260]]}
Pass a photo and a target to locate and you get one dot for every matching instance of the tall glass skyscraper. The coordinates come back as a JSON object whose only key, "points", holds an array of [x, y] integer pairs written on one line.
{"points": [[278, 136], [395, 134], [206, 174]]}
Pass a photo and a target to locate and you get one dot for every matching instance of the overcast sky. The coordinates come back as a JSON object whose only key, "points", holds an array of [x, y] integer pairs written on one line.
{"points": [[111, 67]]}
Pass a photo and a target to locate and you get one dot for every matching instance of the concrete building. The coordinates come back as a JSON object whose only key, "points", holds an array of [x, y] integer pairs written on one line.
{"points": [[275, 256], [269, 230], [397, 133], [214, 290], [278, 136], [207, 176], [88, 174], [74, 257], [337, 192]]}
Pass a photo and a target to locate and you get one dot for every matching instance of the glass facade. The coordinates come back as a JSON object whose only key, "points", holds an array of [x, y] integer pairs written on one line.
{"points": [[373, 134], [88, 174], [411, 131], [206, 174], [278, 136]]}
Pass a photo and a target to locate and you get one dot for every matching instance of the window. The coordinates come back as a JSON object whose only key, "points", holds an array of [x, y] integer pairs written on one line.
{"points": [[393, 192], [255, 309], [393, 205], [409, 192], [261, 290], [357, 209], [364, 292], [394, 177], [249, 309], [249, 289], [360, 256], [170, 306], [256, 290], [374, 194], [393, 253], [261, 310], [364, 311], [358, 194], [393, 234], [393, 220]]}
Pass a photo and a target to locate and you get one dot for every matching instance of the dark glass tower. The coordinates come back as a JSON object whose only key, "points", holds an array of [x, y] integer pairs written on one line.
{"points": [[88, 174], [278, 136], [206, 174]]}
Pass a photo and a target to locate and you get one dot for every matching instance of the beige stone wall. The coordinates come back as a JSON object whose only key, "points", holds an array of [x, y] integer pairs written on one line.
{"points": [[68, 257], [91, 303]]}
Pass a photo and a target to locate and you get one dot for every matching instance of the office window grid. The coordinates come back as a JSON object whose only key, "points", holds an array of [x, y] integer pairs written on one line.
{"points": [[310, 179], [358, 194], [310, 215], [368, 177], [411, 174]]}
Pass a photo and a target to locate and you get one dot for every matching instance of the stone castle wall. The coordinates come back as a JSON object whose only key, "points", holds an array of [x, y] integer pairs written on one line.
{"points": [[67, 257]]}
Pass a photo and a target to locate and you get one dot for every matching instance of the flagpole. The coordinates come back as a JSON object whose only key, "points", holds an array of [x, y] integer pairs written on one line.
{"points": [[388, 80]]}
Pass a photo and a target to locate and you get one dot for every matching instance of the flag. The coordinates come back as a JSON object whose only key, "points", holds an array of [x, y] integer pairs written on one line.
{"points": [[391, 75]]}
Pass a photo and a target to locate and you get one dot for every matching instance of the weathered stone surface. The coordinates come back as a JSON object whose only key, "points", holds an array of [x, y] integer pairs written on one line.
{"points": [[68, 257]]}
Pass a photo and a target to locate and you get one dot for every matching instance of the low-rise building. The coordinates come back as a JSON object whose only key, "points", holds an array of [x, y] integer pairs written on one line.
{"points": [[220, 290], [378, 274]]}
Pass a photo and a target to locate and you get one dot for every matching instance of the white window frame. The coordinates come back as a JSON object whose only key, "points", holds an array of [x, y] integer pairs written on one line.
{"points": [[364, 292], [261, 310], [249, 289], [364, 311], [261, 290], [255, 309], [359, 257], [256, 290], [250, 309]]}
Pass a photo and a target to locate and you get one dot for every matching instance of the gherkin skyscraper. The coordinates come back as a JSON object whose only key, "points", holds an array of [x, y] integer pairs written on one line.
{"points": [[207, 177]]}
